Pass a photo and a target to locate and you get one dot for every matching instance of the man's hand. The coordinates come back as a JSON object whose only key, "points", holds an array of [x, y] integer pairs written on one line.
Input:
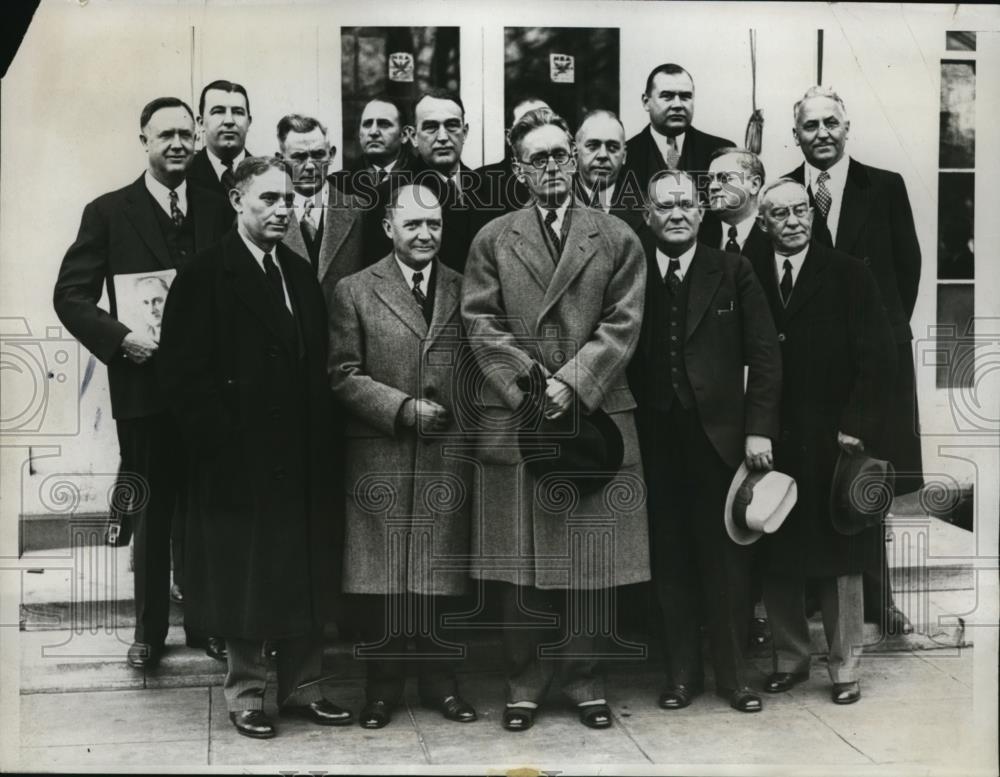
{"points": [[138, 348], [850, 444], [429, 415], [558, 398], [757, 452]]}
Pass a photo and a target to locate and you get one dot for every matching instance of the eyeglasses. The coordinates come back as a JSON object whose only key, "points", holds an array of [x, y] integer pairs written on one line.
{"points": [[782, 214], [541, 160]]}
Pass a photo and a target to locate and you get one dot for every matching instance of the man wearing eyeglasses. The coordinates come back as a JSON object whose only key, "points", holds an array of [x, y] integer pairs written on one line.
{"points": [[865, 212], [439, 137], [325, 226], [706, 316], [557, 289], [837, 356], [735, 178]]}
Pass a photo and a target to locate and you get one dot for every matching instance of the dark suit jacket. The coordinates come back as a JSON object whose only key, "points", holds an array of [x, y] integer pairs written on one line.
{"points": [[461, 221], [876, 226], [644, 160], [505, 191], [119, 234], [728, 326], [838, 357], [625, 204], [357, 181], [712, 229], [253, 400], [340, 249]]}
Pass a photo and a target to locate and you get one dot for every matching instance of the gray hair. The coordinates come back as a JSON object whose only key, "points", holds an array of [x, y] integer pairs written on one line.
{"points": [[599, 112], [774, 185], [818, 91], [532, 120], [747, 159]]}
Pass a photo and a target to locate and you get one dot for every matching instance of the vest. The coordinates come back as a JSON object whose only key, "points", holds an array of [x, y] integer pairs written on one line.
{"points": [[179, 240], [667, 377]]}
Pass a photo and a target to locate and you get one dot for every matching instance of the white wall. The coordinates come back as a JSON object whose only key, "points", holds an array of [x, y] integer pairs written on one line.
{"points": [[71, 100]]}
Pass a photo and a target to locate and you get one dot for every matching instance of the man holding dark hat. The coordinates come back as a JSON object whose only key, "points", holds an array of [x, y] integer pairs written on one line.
{"points": [[555, 291], [706, 317], [838, 356]]}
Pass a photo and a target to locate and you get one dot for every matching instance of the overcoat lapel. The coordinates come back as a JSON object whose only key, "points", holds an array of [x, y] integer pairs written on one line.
{"points": [[854, 207], [204, 230], [397, 297], [706, 274], [339, 223], [250, 286], [139, 210], [530, 247], [576, 253], [446, 301]]}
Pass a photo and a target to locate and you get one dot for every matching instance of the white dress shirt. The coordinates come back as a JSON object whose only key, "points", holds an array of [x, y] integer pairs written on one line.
{"points": [[318, 199], [218, 165], [834, 185], [685, 259], [560, 215], [258, 255], [742, 231], [605, 196], [663, 145], [161, 194], [408, 271], [795, 259]]}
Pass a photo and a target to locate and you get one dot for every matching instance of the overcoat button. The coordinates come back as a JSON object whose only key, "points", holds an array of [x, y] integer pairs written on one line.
{"points": [[781, 337]]}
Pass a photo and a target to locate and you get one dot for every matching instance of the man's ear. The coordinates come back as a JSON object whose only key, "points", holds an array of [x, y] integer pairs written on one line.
{"points": [[144, 141], [236, 199], [761, 223], [795, 134], [387, 227]]}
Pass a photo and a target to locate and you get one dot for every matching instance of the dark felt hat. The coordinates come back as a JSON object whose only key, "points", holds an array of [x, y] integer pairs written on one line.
{"points": [[861, 492], [583, 449]]}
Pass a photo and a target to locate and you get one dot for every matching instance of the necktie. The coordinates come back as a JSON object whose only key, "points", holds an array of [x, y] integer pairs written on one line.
{"points": [[308, 225], [786, 283], [673, 155], [550, 220], [822, 194], [227, 177], [379, 175], [595, 199], [731, 245], [673, 275], [419, 296], [454, 194], [175, 210], [274, 281]]}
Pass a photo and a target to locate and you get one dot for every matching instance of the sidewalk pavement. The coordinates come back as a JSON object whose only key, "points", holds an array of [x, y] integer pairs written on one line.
{"points": [[916, 710]]}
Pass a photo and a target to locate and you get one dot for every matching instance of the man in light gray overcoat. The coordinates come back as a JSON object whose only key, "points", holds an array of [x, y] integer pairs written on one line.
{"points": [[561, 286], [395, 334]]}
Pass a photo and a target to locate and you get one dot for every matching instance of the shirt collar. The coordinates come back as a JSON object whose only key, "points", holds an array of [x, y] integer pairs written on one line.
{"points": [[606, 195], [796, 260], [161, 193], [685, 260], [319, 199], [256, 251], [742, 230], [837, 171], [661, 141], [218, 165], [408, 271], [560, 214]]}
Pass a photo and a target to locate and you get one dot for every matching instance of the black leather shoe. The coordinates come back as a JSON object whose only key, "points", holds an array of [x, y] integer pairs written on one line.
{"points": [[324, 712], [453, 707], [679, 696], [253, 723], [759, 632], [779, 682], [895, 622], [143, 655], [215, 647], [742, 699], [518, 718], [846, 693], [595, 715], [375, 714], [176, 594]]}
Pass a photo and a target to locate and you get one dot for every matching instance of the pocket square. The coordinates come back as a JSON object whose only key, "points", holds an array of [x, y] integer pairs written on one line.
{"points": [[730, 309]]}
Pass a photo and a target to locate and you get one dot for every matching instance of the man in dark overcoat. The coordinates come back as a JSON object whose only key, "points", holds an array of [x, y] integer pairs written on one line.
{"points": [[865, 212], [394, 335], [556, 287], [155, 224], [243, 363], [838, 356], [705, 319]]}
